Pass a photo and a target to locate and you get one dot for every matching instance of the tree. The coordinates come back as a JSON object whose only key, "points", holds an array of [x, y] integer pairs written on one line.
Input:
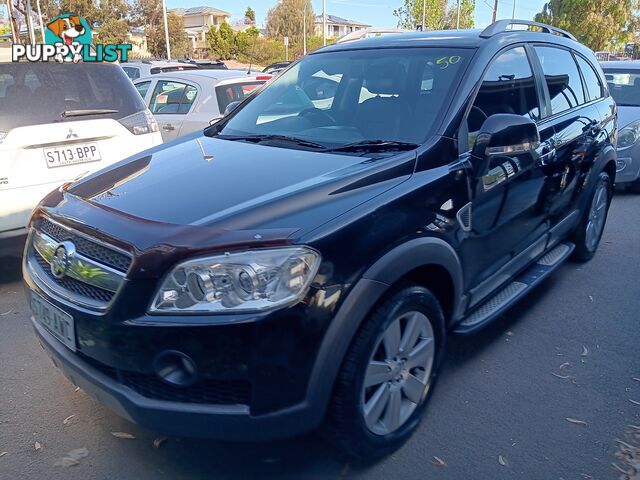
{"points": [[250, 15], [87, 9], [219, 46], [410, 14], [113, 31], [599, 24], [439, 14], [286, 19], [178, 39]]}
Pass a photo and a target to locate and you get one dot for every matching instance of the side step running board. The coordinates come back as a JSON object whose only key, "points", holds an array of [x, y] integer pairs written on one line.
{"points": [[514, 291]]}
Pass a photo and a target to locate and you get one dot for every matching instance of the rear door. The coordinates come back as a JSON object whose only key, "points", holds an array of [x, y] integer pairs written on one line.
{"points": [[60, 122], [171, 101], [577, 124]]}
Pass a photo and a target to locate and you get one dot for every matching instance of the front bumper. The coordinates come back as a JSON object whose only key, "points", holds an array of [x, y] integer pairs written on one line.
{"points": [[229, 422], [627, 169]]}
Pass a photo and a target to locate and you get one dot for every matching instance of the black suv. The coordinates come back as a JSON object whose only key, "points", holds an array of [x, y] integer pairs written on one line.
{"points": [[300, 262]]}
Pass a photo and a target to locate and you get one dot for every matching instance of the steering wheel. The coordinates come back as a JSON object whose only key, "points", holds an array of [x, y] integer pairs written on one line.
{"points": [[318, 117], [480, 111]]}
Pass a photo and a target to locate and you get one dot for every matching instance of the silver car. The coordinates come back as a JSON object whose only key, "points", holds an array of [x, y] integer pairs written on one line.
{"points": [[187, 101], [143, 68], [623, 78]]}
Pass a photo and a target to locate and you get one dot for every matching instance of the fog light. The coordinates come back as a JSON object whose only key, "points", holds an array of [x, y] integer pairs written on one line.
{"points": [[176, 368], [620, 165]]}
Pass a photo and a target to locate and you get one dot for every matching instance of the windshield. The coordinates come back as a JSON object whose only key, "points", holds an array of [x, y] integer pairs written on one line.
{"points": [[339, 98], [624, 86], [38, 93]]}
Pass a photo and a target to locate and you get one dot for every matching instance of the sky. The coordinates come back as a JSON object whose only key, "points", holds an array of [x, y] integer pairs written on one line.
{"points": [[378, 13]]}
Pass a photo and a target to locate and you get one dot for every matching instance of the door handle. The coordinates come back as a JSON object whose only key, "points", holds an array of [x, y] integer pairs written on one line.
{"points": [[547, 158], [168, 127]]}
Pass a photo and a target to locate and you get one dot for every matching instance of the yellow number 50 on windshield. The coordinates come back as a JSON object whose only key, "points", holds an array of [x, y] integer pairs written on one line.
{"points": [[444, 62]]}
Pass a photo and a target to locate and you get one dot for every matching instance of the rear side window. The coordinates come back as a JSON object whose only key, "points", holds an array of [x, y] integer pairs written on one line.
{"points": [[143, 88], [591, 79], [132, 72], [40, 93], [508, 87], [172, 97], [562, 78], [232, 92]]}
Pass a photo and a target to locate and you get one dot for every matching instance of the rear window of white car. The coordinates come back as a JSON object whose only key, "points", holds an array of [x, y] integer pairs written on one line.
{"points": [[39, 93], [234, 91]]}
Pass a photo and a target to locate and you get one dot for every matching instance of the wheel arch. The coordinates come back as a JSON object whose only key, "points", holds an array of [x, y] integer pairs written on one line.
{"points": [[429, 262]]}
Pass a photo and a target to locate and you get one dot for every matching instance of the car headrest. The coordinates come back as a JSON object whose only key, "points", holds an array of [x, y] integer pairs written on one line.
{"points": [[384, 77]]}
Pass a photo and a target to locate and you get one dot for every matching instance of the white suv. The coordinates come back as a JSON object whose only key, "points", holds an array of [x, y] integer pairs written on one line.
{"points": [[59, 122]]}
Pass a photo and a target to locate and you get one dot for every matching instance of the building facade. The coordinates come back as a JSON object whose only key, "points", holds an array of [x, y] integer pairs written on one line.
{"points": [[337, 26]]}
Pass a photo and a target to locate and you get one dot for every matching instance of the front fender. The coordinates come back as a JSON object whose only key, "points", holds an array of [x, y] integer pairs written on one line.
{"points": [[375, 282]]}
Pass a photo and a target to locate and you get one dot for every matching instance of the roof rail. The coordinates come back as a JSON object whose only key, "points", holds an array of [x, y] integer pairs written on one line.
{"points": [[503, 26]]}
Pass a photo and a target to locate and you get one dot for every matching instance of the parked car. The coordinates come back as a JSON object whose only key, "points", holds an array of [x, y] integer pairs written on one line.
{"points": [[208, 64], [623, 78], [144, 68], [58, 122], [185, 102], [276, 67], [273, 273], [368, 33]]}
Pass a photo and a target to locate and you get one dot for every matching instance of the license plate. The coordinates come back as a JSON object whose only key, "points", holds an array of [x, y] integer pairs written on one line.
{"points": [[72, 154], [60, 324]]}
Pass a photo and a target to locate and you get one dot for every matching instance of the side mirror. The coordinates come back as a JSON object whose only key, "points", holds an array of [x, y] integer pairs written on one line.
{"points": [[231, 107], [506, 134]]}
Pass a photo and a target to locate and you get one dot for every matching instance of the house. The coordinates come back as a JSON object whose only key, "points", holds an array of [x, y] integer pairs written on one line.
{"points": [[198, 21], [337, 26], [137, 37]]}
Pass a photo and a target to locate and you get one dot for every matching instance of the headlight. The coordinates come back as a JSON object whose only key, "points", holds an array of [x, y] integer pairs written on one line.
{"points": [[628, 135], [250, 281], [140, 123]]}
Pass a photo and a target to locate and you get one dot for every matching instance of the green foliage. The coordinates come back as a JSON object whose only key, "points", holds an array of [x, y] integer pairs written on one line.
{"points": [[219, 47], [599, 24], [250, 14], [113, 31], [178, 40], [87, 9], [439, 14], [286, 19]]}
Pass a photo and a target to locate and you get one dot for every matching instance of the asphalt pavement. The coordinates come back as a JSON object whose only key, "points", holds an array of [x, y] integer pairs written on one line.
{"points": [[544, 393]]}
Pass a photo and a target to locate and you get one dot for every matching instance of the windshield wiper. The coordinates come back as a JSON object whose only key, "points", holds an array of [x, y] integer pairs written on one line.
{"points": [[82, 113], [375, 146], [273, 137], [626, 104]]}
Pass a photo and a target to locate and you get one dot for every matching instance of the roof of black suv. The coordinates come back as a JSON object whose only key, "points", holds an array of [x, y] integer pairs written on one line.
{"points": [[465, 38]]}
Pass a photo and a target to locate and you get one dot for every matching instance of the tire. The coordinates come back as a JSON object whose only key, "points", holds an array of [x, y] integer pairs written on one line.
{"points": [[585, 238], [346, 425]]}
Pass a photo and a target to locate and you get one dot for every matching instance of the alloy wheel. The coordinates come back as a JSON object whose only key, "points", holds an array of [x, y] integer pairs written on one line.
{"points": [[398, 373]]}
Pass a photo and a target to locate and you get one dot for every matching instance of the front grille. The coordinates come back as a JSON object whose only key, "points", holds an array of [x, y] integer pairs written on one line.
{"points": [[205, 391], [72, 285], [114, 259]]}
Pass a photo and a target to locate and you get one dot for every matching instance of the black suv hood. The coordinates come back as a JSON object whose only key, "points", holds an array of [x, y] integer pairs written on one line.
{"points": [[203, 181]]}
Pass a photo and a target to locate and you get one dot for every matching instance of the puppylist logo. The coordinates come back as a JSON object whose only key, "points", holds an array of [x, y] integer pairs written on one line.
{"points": [[68, 39]]}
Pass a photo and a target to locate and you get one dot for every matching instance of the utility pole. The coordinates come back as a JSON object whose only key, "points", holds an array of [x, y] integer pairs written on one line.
{"points": [[495, 11], [324, 23], [304, 29], [32, 33], [513, 13], [424, 14], [457, 20], [166, 29]]}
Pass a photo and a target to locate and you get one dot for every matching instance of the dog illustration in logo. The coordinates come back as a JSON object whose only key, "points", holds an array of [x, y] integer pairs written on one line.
{"points": [[67, 29]]}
